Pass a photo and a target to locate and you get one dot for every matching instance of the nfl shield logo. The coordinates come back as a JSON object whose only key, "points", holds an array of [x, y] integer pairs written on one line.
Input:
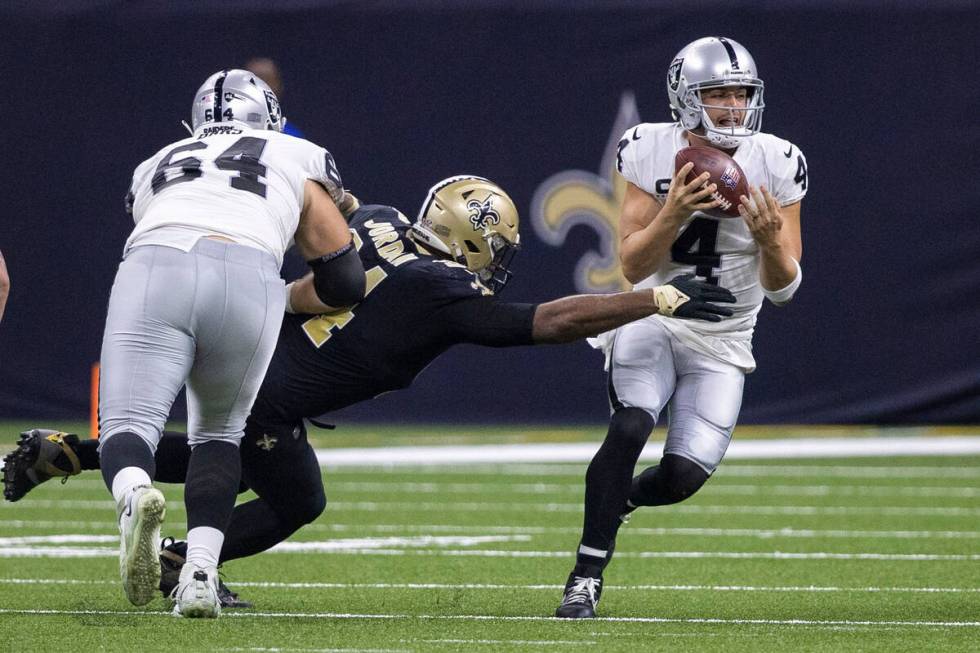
{"points": [[730, 177]]}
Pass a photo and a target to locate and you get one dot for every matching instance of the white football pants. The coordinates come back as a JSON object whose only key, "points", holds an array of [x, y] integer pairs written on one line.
{"points": [[650, 369], [209, 317]]}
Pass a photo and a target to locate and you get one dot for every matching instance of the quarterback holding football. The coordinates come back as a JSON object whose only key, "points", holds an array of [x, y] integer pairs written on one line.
{"points": [[670, 224]]}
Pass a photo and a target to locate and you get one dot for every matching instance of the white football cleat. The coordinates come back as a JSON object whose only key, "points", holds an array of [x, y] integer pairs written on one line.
{"points": [[140, 514], [196, 595]]}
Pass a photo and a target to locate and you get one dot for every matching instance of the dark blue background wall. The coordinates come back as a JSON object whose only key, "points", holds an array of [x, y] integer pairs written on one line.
{"points": [[882, 97]]}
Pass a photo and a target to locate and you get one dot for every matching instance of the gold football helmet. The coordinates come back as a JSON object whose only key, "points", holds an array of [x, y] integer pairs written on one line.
{"points": [[474, 222]]}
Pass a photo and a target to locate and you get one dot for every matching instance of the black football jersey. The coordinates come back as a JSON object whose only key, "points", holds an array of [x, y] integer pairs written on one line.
{"points": [[416, 307]]}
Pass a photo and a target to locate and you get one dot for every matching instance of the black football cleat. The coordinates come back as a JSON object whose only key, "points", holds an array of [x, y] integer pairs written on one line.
{"points": [[172, 556], [41, 454], [581, 596]]}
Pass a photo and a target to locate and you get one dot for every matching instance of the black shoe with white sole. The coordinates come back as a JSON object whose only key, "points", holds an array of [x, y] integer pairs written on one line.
{"points": [[581, 596]]}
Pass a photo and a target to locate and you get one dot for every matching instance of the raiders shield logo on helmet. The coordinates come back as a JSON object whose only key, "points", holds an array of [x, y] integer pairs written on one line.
{"points": [[674, 73], [272, 103]]}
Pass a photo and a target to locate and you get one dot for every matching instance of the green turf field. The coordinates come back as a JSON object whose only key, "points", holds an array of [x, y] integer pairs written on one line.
{"points": [[776, 555]]}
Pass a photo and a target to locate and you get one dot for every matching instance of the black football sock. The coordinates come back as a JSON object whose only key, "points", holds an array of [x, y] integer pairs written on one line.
{"points": [[124, 450], [607, 483], [213, 474], [173, 457]]}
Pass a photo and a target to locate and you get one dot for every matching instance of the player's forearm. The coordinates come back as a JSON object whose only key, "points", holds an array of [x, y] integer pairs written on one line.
{"points": [[776, 267], [580, 316], [643, 251], [302, 298]]}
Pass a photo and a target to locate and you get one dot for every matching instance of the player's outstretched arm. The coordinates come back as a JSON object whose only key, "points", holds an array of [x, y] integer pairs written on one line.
{"points": [[4, 285], [580, 316], [324, 239]]}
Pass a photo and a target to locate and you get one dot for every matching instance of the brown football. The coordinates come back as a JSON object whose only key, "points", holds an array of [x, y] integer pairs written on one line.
{"points": [[724, 171]]}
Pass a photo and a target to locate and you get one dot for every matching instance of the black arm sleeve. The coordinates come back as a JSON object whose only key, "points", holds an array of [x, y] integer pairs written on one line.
{"points": [[486, 321], [339, 277]]}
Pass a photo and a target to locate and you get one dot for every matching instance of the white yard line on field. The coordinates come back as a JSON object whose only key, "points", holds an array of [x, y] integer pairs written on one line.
{"points": [[559, 452], [727, 469], [469, 617], [486, 506], [546, 587]]}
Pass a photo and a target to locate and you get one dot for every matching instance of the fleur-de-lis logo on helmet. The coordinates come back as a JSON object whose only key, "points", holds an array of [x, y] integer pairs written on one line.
{"points": [[483, 213]]}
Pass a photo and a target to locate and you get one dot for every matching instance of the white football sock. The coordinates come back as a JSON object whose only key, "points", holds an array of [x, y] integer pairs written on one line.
{"points": [[204, 546], [126, 479]]}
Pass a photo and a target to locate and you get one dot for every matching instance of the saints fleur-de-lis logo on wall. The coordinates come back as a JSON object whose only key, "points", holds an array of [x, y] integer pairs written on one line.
{"points": [[577, 197], [483, 213]]}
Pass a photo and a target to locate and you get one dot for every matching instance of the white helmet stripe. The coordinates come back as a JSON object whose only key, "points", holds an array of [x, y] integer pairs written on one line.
{"points": [[442, 184]]}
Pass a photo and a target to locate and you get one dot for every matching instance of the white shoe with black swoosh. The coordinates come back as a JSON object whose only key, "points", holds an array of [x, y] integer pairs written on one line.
{"points": [[140, 514]]}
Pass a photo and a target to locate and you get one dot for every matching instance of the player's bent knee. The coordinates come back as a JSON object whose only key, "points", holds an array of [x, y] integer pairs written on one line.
{"points": [[302, 510], [681, 477], [630, 427]]}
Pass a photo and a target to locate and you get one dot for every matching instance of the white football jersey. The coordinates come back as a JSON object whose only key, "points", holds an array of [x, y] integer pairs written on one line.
{"points": [[719, 250], [227, 180]]}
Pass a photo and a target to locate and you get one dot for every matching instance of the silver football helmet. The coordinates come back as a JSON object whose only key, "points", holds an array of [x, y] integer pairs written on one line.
{"points": [[474, 222], [236, 95], [709, 63]]}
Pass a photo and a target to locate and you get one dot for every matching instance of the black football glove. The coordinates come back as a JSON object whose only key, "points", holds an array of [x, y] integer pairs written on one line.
{"points": [[685, 296]]}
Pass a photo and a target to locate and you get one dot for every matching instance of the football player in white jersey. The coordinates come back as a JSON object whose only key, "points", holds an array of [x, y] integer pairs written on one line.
{"points": [[198, 300], [695, 370]]}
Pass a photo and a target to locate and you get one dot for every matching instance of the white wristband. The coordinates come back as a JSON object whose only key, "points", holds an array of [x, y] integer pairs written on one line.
{"points": [[289, 293], [783, 295]]}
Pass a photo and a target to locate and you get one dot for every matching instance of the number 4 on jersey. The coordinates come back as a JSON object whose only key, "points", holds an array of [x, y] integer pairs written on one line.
{"points": [[696, 246]]}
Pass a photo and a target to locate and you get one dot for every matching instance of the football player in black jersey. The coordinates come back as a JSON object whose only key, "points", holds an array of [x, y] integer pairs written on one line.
{"points": [[431, 284]]}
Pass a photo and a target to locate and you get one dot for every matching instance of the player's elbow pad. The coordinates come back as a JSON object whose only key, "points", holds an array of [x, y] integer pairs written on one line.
{"points": [[783, 295], [338, 277]]}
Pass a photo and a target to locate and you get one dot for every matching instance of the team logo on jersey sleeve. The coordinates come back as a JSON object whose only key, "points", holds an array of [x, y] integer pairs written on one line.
{"points": [[483, 213], [576, 197]]}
